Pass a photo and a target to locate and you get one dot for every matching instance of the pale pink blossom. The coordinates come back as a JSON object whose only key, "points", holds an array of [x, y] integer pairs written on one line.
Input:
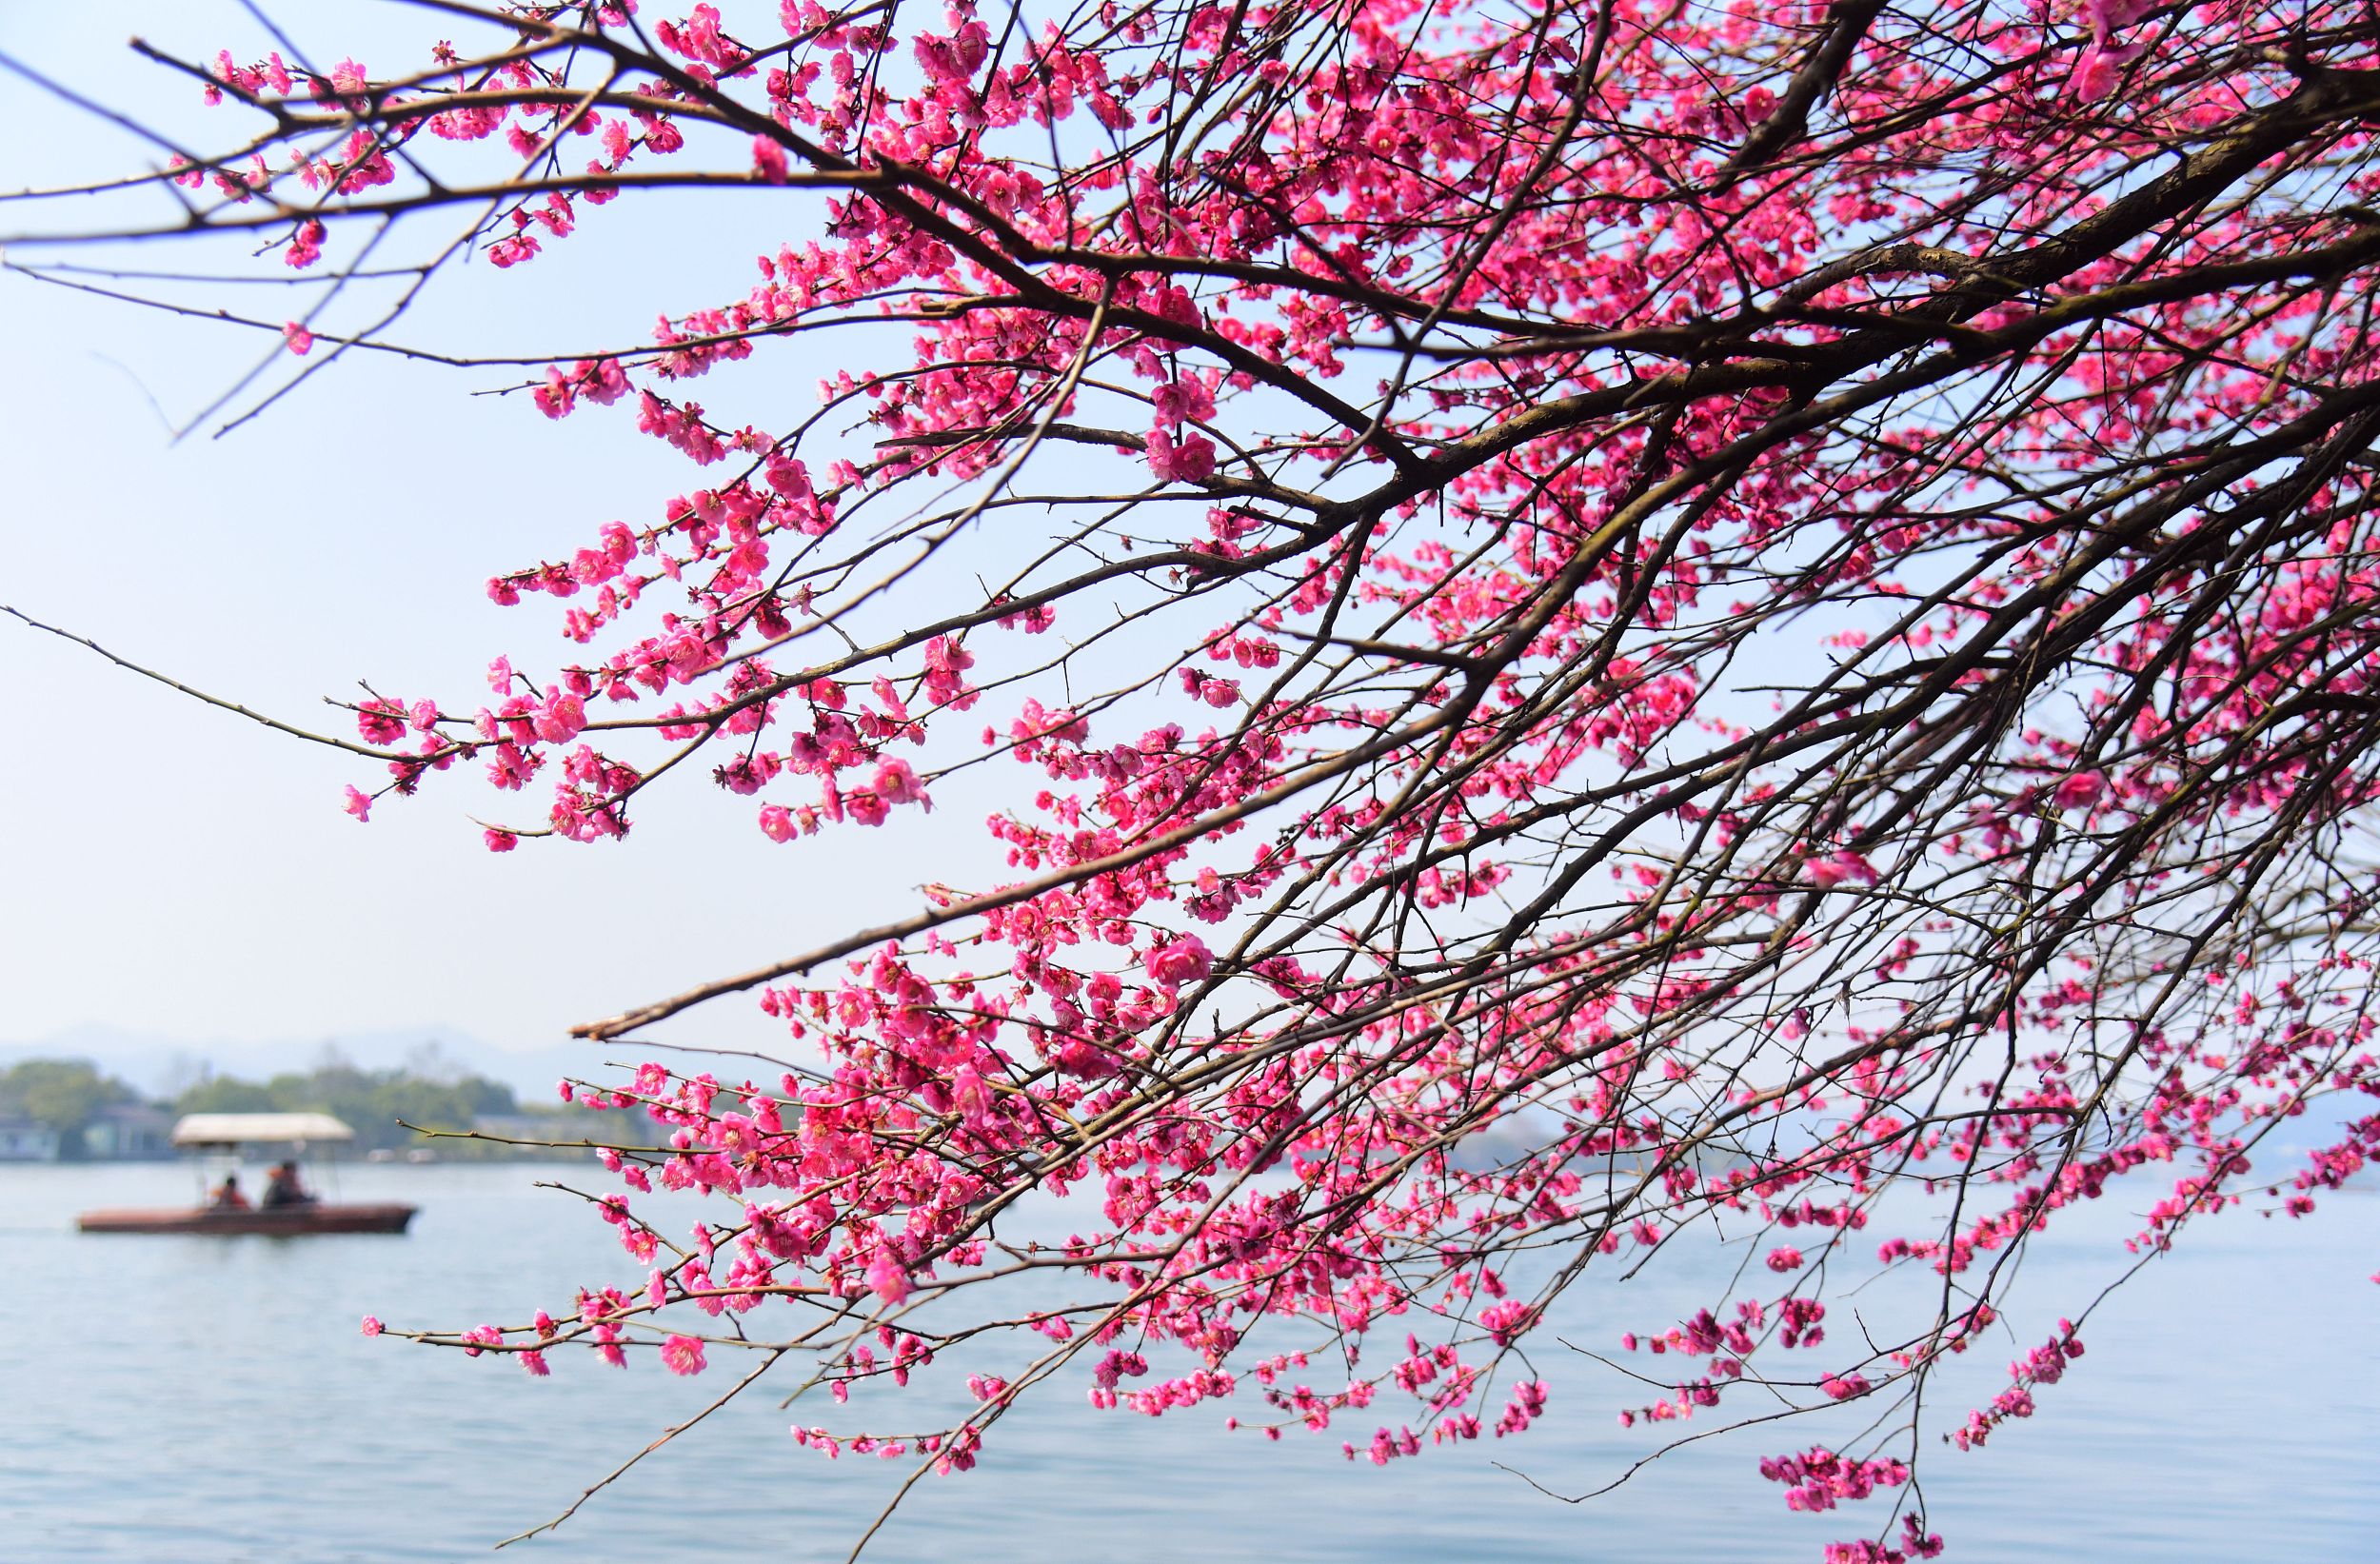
{"points": [[2081, 790], [886, 1277], [1185, 960], [2098, 70], [896, 784], [1188, 460], [1839, 868]]}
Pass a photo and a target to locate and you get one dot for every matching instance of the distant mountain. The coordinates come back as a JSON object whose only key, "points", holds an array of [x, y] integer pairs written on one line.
{"points": [[2325, 1122], [163, 1065]]}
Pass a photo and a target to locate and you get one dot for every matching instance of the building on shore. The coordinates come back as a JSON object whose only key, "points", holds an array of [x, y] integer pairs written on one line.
{"points": [[24, 1140], [126, 1131], [121, 1132]]}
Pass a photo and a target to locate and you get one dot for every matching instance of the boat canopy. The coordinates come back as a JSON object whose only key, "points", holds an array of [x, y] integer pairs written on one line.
{"points": [[240, 1129]]}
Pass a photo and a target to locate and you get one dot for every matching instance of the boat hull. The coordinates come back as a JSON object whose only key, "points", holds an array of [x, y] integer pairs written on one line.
{"points": [[282, 1222]]}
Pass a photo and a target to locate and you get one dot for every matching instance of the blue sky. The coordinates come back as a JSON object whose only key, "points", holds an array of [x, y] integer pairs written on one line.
{"points": [[171, 870]]}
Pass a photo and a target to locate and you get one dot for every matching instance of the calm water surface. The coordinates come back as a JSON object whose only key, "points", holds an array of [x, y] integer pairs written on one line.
{"points": [[166, 1398]]}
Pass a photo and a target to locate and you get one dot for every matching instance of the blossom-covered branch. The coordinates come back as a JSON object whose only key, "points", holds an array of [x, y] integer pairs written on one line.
{"points": [[1625, 626]]}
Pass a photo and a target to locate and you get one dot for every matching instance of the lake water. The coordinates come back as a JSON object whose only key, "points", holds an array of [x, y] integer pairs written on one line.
{"points": [[166, 1398]]}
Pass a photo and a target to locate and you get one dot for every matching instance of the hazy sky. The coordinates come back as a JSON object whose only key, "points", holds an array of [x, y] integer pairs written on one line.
{"points": [[172, 869]]}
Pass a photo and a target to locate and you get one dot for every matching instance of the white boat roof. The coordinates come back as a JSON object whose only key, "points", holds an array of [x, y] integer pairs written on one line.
{"points": [[235, 1129]]}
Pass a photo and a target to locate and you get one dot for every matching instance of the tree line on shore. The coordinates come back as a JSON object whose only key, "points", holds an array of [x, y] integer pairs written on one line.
{"points": [[66, 1097]]}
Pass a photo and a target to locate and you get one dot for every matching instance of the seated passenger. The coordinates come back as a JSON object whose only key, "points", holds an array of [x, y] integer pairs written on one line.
{"points": [[285, 1190], [227, 1195]]}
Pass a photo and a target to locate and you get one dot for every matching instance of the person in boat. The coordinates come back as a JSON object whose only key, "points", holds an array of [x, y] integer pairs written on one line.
{"points": [[285, 1190], [227, 1195]]}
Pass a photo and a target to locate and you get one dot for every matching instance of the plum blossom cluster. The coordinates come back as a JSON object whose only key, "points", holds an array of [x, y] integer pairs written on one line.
{"points": [[1552, 635]]}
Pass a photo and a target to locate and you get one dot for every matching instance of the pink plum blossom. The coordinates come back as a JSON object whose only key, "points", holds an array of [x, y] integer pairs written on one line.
{"points": [[1179, 962]]}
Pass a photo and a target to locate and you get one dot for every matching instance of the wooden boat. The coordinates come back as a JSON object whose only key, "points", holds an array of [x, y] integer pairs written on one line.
{"points": [[289, 1221], [225, 1134]]}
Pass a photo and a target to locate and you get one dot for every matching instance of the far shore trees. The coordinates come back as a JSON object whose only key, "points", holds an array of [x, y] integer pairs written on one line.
{"points": [[427, 1103], [61, 1095], [389, 1109]]}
